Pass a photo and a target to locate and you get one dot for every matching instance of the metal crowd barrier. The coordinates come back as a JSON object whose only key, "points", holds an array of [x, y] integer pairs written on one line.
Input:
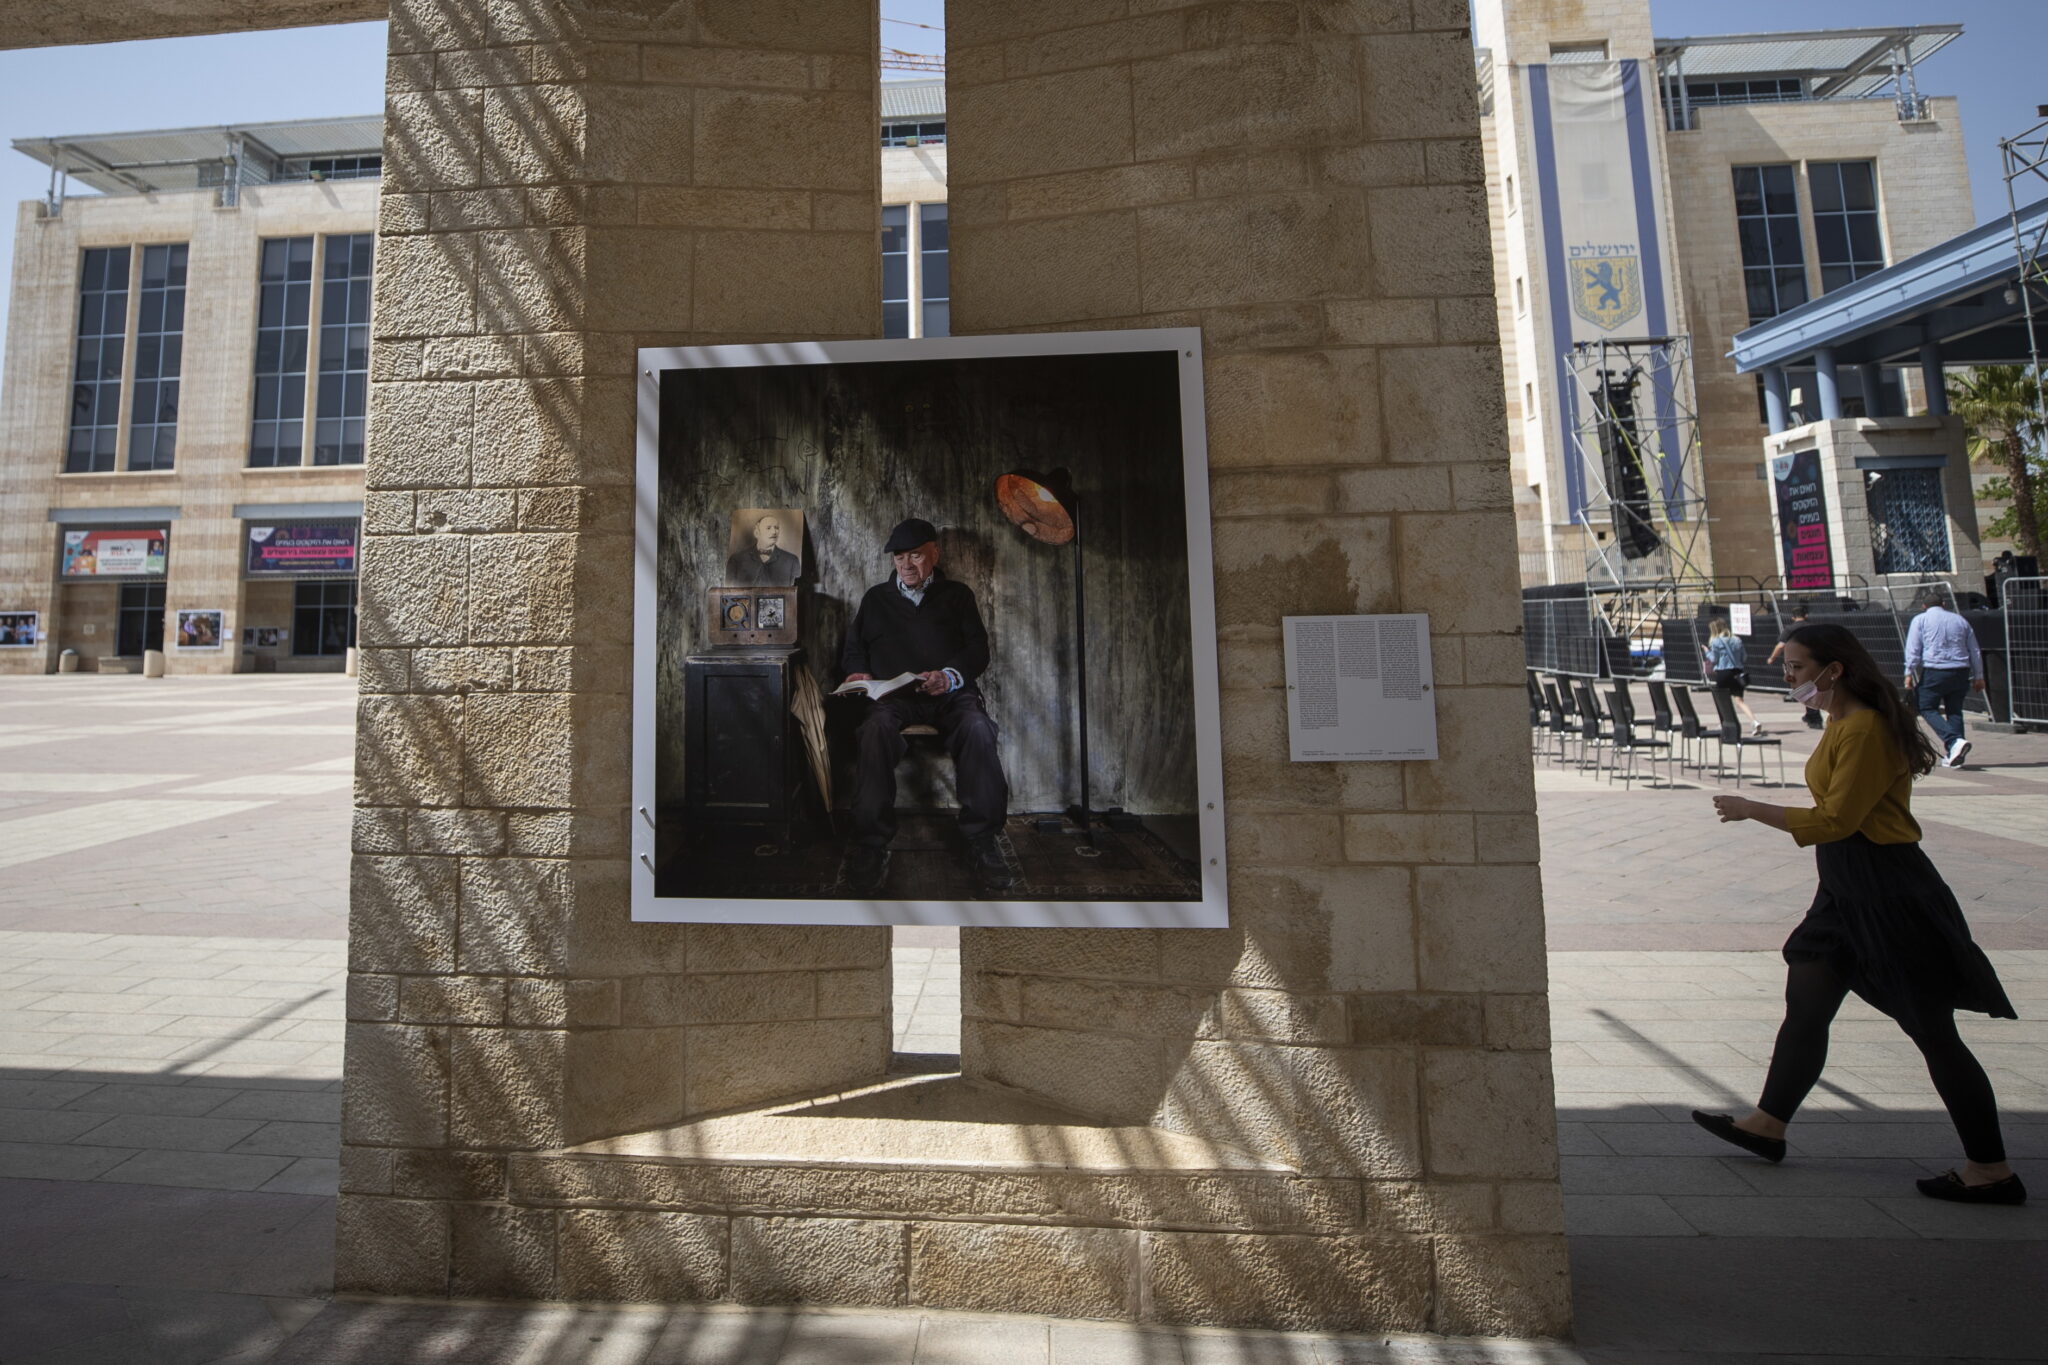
{"points": [[2024, 605]]}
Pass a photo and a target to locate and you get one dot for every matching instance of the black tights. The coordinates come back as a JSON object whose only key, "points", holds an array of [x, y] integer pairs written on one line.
{"points": [[1813, 992]]}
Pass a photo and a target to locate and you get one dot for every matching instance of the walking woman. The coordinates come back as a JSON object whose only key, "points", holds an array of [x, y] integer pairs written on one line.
{"points": [[1883, 923], [1726, 655]]}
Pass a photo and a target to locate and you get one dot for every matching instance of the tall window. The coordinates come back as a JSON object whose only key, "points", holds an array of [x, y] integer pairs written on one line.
{"points": [[895, 270], [323, 616], [344, 350], [159, 358], [1767, 222], [1845, 231], [284, 300], [935, 278], [96, 365]]}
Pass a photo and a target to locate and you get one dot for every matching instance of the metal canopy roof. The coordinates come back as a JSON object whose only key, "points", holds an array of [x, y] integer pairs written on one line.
{"points": [[168, 160], [1841, 63], [1954, 295], [914, 99]]}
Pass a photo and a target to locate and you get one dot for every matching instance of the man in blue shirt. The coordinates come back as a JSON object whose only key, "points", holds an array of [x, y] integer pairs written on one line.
{"points": [[1944, 663]]}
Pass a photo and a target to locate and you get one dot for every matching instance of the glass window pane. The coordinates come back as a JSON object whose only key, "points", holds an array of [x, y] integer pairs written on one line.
{"points": [[1826, 179], [932, 226], [1831, 238], [896, 319], [896, 277], [936, 284], [1863, 243], [1780, 194], [1859, 185], [1791, 289], [936, 318], [1785, 245]]}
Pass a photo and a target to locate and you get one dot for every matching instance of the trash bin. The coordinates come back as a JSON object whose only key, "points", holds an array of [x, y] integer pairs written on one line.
{"points": [[67, 661], [152, 663]]}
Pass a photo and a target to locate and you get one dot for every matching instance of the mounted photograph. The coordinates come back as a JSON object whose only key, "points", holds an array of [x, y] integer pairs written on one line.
{"points": [[924, 634]]}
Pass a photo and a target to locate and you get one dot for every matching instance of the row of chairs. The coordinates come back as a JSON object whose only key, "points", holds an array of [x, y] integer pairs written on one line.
{"points": [[1570, 715]]}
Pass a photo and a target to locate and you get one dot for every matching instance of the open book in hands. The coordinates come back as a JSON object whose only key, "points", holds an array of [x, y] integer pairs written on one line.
{"points": [[875, 688]]}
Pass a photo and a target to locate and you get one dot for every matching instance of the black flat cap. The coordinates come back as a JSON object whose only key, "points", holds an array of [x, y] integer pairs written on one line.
{"points": [[909, 534]]}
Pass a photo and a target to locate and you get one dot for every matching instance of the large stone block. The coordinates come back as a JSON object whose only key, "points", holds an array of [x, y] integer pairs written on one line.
{"points": [[506, 1087], [736, 1064], [618, 1254], [778, 947], [1503, 1287], [533, 280], [1293, 407], [1323, 1111], [1004, 1268], [1482, 593], [1490, 1114], [1481, 928], [395, 1086], [748, 997], [1482, 752], [623, 1080], [1328, 566], [812, 283], [1110, 1007], [519, 750], [501, 1252], [1258, 95], [855, 1262], [1423, 428], [1216, 253], [390, 1246], [1306, 929], [811, 139], [1419, 85], [555, 431], [420, 594], [1354, 1284], [432, 141], [523, 589], [425, 287], [1109, 1078], [1048, 271], [1040, 125], [402, 914]]}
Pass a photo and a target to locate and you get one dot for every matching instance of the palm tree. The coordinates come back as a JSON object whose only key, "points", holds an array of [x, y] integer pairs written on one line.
{"points": [[2000, 407]]}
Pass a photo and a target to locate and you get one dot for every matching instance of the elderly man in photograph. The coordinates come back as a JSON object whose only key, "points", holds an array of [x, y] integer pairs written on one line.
{"points": [[765, 564], [1943, 666], [922, 622]]}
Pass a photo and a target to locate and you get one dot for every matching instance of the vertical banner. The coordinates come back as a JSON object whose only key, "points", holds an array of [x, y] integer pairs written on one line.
{"points": [[1603, 240], [1805, 557]]}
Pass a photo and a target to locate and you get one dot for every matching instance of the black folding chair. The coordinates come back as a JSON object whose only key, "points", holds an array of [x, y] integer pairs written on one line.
{"points": [[1660, 709], [1539, 721], [1692, 735], [1731, 733], [1560, 720], [1594, 728], [1628, 741]]}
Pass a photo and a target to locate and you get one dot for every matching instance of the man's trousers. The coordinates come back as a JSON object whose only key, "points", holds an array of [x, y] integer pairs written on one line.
{"points": [[969, 735]]}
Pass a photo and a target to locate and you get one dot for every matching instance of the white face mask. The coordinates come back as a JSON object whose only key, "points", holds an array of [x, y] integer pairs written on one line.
{"points": [[1813, 694]]}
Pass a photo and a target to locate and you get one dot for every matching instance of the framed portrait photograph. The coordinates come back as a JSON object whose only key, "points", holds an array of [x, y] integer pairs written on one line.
{"points": [[20, 629], [199, 628], [989, 692]]}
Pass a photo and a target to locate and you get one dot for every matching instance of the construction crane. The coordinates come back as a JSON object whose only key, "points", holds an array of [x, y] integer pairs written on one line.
{"points": [[896, 59]]}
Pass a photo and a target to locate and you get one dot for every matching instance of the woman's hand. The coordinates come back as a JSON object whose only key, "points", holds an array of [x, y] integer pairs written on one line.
{"points": [[1732, 808]]}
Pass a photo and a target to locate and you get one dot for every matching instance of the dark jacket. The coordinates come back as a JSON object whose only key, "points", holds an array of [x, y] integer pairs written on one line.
{"points": [[745, 569], [891, 634]]}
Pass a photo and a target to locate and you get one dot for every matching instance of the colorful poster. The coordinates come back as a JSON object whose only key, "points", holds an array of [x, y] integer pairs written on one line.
{"points": [[128, 553], [322, 547], [20, 629], [1806, 559], [200, 629], [1603, 240]]}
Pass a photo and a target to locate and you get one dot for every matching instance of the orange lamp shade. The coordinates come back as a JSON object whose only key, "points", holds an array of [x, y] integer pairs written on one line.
{"points": [[1034, 509]]}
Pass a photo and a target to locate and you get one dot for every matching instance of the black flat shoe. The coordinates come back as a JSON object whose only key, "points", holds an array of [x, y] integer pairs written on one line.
{"points": [[1723, 1127], [1949, 1185]]}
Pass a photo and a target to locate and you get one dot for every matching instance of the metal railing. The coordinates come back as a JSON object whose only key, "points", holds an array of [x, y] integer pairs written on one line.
{"points": [[2024, 604]]}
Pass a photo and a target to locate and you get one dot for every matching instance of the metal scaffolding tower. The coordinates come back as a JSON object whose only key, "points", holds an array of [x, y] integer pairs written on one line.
{"points": [[2026, 165]]}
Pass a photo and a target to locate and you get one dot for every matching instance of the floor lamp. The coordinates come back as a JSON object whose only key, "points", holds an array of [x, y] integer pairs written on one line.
{"points": [[1044, 507]]}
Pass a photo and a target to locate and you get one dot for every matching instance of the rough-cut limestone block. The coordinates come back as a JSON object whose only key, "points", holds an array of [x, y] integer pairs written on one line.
{"points": [[1057, 270], [1275, 1016], [1323, 1111], [1490, 1114], [366, 1170], [390, 1246], [409, 751], [1483, 597], [465, 509], [1518, 1021], [1216, 253], [860, 994], [523, 587], [1532, 1206], [1482, 928], [1254, 96], [1483, 751], [426, 286], [1325, 566], [1352, 1284], [533, 280], [735, 1064], [807, 139], [1418, 245], [1072, 1272], [1428, 1206], [1420, 87], [624, 1255], [1428, 1020], [518, 750], [1110, 1006], [1120, 40], [1114, 1079], [1117, 954], [452, 1000], [1505, 836], [849, 1261], [395, 1086], [506, 1087], [1421, 427], [621, 1080], [1307, 929], [1409, 838], [436, 1173], [746, 997], [1503, 1286], [426, 428], [456, 831], [1040, 125], [372, 998], [1308, 407], [515, 914], [1094, 191], [402, 914], [785, 283], [785, 947], [421, 592], [501, 1252]]}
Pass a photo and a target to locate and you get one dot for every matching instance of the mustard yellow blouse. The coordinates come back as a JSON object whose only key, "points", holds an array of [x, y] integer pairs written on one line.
{"points": [[1860, 785]]}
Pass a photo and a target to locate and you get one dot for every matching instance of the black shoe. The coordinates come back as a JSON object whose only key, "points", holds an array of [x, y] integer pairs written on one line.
{"points": [[865, 868], [990, 864], [1949, 1185], [1723, 1127]]}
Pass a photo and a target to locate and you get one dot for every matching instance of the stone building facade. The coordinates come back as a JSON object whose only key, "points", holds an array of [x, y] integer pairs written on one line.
{"points": [[1335, 1113], [1748, 114]]}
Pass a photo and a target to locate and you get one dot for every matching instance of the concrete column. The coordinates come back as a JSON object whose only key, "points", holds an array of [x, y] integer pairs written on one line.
{"points": [[1777, 410], [1306, 185], [562, 184], [1828, 382], [1871, 379], [1935, 378]]}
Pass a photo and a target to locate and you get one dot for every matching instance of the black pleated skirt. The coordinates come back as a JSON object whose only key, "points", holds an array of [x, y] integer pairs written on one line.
{"points": [[1887, 922]]}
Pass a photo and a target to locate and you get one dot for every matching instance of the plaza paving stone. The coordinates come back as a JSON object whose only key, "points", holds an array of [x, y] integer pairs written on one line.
{"points": [[171, 1000]]}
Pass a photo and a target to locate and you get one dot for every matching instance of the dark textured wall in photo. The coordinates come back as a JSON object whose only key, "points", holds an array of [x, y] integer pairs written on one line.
{"points": [[860, 447]]}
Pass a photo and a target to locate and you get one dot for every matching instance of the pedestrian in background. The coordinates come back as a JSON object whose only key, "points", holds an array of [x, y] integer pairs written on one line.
{"points": [[1726, 657], [1799, 610], [1943, 665], [1883, 923]]}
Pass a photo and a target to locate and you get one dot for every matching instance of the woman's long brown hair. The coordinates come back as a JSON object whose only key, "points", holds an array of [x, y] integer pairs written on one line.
{"points": [[1865, 682]]}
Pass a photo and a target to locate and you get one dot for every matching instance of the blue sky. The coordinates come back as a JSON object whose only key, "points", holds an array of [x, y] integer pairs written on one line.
{"points": [[308, 73]]}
